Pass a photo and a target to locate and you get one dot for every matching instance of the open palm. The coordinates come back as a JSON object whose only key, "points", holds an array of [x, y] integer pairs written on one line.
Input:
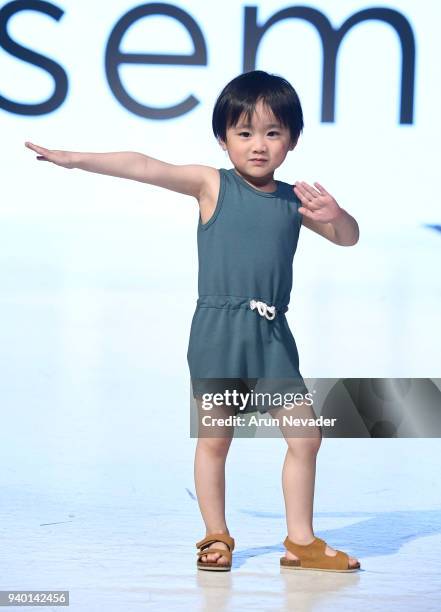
{"points": [[317, 204]]}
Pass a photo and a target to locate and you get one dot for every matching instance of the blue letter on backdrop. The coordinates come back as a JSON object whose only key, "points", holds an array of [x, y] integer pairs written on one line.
{"points": [[16, 50], [331, 40], [114, 57]]}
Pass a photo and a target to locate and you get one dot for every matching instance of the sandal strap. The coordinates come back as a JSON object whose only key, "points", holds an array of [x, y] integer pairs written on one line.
{"points": [[221, 551], [217, 537], [304, 551], [313, 555]]}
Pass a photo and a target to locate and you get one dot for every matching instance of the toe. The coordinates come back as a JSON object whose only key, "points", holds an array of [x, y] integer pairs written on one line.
{"points": [[215, 557], [353, 563]]}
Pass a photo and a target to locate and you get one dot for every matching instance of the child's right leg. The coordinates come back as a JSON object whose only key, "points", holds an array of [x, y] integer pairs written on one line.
{"points": [[209, 472]]}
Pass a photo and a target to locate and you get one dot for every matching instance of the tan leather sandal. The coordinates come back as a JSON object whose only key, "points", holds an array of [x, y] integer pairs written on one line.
{"points": [[214, 565], [312, 557]]}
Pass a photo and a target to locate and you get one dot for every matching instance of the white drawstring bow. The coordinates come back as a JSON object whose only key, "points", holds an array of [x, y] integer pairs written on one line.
{"points": [[263, 309]]}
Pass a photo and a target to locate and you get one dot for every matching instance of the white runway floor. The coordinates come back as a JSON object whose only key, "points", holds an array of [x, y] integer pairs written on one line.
{"points": [[98, 500], [121, 536]]}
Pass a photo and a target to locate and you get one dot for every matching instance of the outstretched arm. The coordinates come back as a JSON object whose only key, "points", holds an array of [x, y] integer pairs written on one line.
{"points": [[188, 179], [322, 214]]}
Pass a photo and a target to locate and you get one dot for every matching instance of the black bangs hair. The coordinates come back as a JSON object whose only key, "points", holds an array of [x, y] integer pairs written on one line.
{"points": [[241, 94]]}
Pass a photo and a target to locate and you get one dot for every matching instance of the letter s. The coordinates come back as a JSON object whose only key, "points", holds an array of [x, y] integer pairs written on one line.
{"points": [[31, 57]]}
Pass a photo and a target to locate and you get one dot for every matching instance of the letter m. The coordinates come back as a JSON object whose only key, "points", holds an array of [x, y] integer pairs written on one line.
{"points": [[331, 39]]}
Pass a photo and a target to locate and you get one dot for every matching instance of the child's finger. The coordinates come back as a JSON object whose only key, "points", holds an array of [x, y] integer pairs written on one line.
{"points": [[309, 205], [304, 194], [305, 198], [41, 150], [36, 148], [30, 145], [310, 190], [301, 190], [306, 212], [321, 188]]}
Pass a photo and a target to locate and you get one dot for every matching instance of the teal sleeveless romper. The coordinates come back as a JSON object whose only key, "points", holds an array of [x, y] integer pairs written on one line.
{"points": [[239, 333]]}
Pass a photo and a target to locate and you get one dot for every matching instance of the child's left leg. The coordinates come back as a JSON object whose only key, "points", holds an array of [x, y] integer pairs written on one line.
{"points": [[298, 479]]}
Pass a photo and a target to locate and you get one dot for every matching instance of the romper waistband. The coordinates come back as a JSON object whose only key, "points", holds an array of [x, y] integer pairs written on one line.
{"points": [[234, 302]]}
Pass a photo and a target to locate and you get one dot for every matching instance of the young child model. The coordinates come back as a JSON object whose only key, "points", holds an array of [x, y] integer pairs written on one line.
{"points": [[248, 229]]}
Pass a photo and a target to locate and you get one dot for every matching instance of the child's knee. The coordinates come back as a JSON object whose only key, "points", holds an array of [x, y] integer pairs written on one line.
{"points": [[215, 445], [305, 446]]}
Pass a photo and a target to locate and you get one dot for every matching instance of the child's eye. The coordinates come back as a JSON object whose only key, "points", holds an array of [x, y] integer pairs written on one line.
{"points": [[271, 133]]}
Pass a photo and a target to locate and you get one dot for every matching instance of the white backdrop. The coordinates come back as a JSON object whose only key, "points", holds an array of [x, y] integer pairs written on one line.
{"points": [[117, 260]]}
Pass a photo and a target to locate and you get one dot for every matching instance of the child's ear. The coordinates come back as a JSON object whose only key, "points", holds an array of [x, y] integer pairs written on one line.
{"points": [[222, 144]]}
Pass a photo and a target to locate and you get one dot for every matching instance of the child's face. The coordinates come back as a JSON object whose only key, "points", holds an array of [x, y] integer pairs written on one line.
{"points": [[257, 149]]}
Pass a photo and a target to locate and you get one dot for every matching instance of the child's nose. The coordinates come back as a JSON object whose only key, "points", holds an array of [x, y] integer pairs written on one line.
{"points": [[259, 145]]}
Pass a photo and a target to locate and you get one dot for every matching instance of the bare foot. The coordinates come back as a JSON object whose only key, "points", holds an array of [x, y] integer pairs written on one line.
{"points": [[353, 563], [221, 560]]}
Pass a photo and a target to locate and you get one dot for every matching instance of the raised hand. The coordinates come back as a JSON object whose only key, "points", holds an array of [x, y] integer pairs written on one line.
{"points": [[60, 158], [317, 204]]}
